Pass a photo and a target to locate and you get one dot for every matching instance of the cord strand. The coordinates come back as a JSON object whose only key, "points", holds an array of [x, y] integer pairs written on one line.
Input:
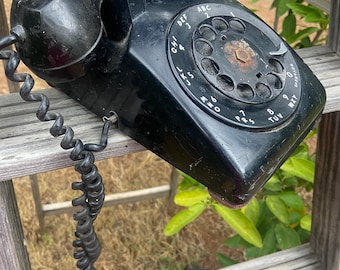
{"points": [[87, 246]]}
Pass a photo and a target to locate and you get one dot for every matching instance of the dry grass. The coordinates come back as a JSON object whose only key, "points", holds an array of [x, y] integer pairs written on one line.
{"points": [[131, 234]]}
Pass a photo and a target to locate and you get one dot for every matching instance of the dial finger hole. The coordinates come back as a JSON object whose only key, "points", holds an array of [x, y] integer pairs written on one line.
{"points": [[275, 65], [203, 47], [210, 66], [220, 24], [274, 81], [263, 91], [207, 32], [225, 83], [245, 91], [237, 25]]}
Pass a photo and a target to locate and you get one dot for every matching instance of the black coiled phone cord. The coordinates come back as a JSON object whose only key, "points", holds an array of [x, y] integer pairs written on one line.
{"points": [[87, 246]]}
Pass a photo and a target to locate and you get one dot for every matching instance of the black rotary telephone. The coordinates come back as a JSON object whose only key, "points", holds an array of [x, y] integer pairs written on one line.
{"points": [[206, 85]]}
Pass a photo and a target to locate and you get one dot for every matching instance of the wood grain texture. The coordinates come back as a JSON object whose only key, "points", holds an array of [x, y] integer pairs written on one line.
{"points": [[111, 199], [4, 31], [25, 142], [300, 257], [334, 31], [324, 5], [13, 253], [326, 208], [325, 64]]}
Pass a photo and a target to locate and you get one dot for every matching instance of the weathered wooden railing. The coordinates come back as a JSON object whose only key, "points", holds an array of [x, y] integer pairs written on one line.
{"points": [[22, 139]]}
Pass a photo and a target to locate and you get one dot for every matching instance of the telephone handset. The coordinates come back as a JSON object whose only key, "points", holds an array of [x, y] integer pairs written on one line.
{"points": [[206, 85]]}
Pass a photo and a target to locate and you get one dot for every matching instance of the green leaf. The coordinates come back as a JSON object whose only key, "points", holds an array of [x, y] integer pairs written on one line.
{"points": [[190, 197], [269, 242], [302, 34], [273, 184], [252, 210], [306, 222], [305, 43], [237, 241], [309, 187], [303, 234], [241, 224], [294, 218], [224, 260], [292, 200], [265, 214], [278, 208], [312, 133], [289, 25], [275, 4], [300, 167], [252, 252], [301, 151], [188, 182], [316, 17], [286, 237], [282, 7], [290, 181], [183, 218], [300, 9]]}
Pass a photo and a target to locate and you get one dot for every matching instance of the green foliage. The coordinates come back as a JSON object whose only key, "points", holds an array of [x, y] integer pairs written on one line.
{"points": [[276, 219], [290, 11], [241, 224], [224, 260], [183, 218], [278, 212]]}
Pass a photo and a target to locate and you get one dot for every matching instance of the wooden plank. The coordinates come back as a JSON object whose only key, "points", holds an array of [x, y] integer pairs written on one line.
{"points": [[307, 261], [4, 31], [334, 32], [326, 208], [324, 5], [37, 201], [25, 141], [316, 266], [325, 64], [294, 258], [13, 253], [112, 199]]}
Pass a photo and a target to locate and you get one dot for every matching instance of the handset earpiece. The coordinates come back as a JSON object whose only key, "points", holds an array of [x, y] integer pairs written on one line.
{"points": [[60, 40]]}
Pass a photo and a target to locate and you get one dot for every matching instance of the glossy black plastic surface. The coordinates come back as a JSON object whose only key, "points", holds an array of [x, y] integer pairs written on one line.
{"points": [[60, 37], [226, 104]]}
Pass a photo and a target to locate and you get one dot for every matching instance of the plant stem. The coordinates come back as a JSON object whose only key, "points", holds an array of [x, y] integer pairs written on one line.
{"points": [[276, 20], [316, 38]]}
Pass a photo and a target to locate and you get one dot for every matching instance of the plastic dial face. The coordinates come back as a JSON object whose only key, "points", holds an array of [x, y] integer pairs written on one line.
{"points": [[233, 66]]}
